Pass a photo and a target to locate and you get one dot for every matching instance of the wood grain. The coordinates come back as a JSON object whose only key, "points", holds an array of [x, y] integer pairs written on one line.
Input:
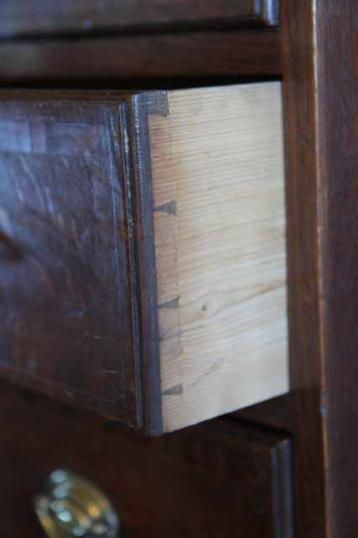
{"points": [[67, 304], [211, 481], [320, 96], [304, 265], [219, 224], [156, 327], [19, 18], [338, 140]]}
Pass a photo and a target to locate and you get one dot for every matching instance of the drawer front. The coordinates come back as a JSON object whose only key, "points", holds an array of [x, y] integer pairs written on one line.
{"points": [[18, 18], [213, 481], [67, 312], [143, 260]]}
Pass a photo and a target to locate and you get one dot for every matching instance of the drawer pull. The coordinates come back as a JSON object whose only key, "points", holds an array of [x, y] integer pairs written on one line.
{"points": [[72, 506]]}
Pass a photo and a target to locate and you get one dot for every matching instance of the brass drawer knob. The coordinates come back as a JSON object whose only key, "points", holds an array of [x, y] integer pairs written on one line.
{"points": [[71, 506]]}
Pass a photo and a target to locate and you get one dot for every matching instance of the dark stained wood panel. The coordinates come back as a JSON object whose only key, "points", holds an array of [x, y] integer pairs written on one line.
{"points": [[215, 481], [109, 61], [336, 43], [321, 112], [68, 302], [20, 17]]}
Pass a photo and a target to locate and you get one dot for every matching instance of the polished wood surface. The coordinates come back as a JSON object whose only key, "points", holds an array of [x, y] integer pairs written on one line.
{"points": [[213, 481], [20, 18], [140, 59], [219, 221], [320, 110], [304, 266], [337, 83], [66, 297]]}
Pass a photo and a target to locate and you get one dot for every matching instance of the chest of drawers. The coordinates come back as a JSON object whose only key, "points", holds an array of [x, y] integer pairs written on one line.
{"points": [[143, 266]]}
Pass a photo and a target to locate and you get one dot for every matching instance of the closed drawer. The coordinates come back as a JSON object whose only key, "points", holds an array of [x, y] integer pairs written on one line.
{"points": [[142, 250], [213, 481], [83, 16]]}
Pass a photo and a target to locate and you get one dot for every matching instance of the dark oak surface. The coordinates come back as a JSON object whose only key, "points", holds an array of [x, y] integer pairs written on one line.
{"points": [[337, 140], [304, 283], [115, 60], [20, 17], [320, 94], [215, 481], [70, 309]]}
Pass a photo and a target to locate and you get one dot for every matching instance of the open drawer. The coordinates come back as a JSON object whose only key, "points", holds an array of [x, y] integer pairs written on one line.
{"points": [[142, 252]]}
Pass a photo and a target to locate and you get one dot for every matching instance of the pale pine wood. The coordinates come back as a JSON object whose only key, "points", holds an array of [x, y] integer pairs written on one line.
{"points": [[218, 181]]}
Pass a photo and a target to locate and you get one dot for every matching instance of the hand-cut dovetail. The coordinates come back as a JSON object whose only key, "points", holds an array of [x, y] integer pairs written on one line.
{"points": [[169, 207], [220, 248], [173, 391], [173, 303]]}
